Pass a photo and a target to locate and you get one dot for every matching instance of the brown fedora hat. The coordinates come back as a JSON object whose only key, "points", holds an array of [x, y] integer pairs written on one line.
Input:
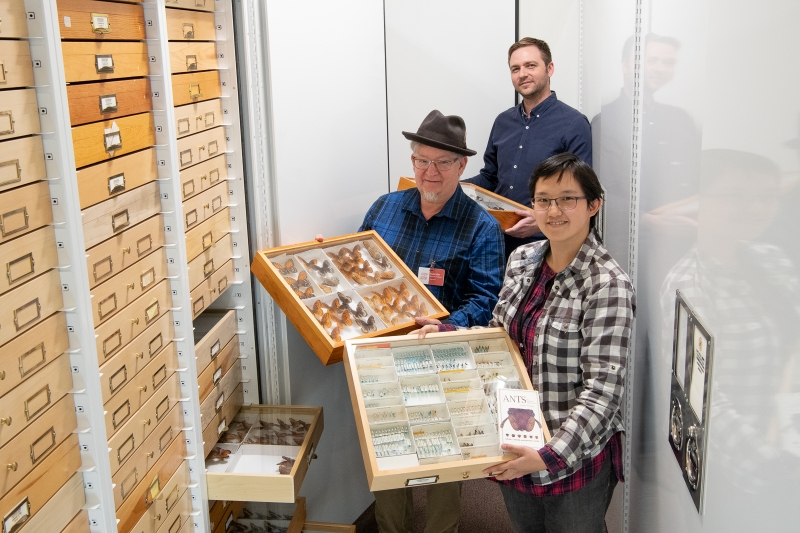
{"points": [[443, 132]]}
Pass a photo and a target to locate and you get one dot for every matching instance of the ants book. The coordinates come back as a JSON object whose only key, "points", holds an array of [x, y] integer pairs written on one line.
{"points": [[520, 418]]}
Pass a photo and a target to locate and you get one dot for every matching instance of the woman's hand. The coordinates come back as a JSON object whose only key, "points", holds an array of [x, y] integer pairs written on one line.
{"points": [[528, 461], [429, 325]]}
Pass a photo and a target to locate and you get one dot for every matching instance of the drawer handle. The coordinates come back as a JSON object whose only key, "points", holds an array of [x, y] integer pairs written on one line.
{"points": [[188, 30], [169, 502], [213, 176], [15, 172], [183, 157], [100, 273], [214, 349], [108, 347], [165, 404], [208, 268], [153, 347], [101, 313], [186, 191], [120, 220], [176, 525], [139, 249], [120, 456], [14, 221], [219, 402], [21, 313], [23, 359], [30, 403], [215, 149], [183, 122], [191, 218], [222, 427], [108, 103], [147, 278], [112, 141], [100, 23], [162, 370], [2, 375], [17, 517], [217, 376], [198, 305], [139, 355], [135, 321], [210, 114], [111, 386], [104, 63], [162, 444], [143, 388], [150, 455], [191, 62], [216, 204], [152, 311], [12, 466], [127, 407], [126, 493], [3, 72], [5, 421], [194, 91], [20, 268], [10, 127], [51, 433], [130, 286], [208, 240], [116, 184]]}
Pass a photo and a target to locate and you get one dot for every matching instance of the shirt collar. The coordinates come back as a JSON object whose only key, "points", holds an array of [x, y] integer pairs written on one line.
{"points": [[543, 106], [412, 203], [588, 249]]}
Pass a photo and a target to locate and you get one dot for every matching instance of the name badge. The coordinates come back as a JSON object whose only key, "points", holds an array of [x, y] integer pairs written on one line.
{"points": [[431, 276]]}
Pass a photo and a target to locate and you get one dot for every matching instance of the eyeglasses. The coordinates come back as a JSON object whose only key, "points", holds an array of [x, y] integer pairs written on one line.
{"points": [[441, 166], [565, 203]]}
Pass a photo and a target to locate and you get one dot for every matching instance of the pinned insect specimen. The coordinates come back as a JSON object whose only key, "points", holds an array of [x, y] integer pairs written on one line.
{"points": [[218, 453], [313, 265], [285, 466], [367, 325], [285, 269], [395, 305]]}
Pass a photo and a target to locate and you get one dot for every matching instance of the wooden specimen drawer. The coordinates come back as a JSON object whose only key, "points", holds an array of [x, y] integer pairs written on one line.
{"points": [[199, 5], [21, 162], [16, 69], [146, 453], [36, 441], [179, 515], [29, 304], [19, 114], [190, 57], [104, 180], [13, 19], [202, 176], [244, 475], [30, 352], [29, 496], [206, 233], [124, 249], [27, 257], [89, 20], [177, 520], [97, 142], [24, 209], [105, 219], [206, 263], [219, 424], [285, 517], [327, 527], [212, 331], [195, 87], [171, 495], [132, 359], [221, 391], [91, 102], [131, 321], [211, 375], [207, 292], [229, 516], [86, 61], [206, 204], [194, 118], [201, 146], [59, 513], [185, 25], [79, 524]]}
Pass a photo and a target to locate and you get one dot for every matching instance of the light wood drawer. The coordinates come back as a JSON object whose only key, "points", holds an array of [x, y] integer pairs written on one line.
{"points": [[103, 220], [204, 294], [205, 205], [136, 391], [207, 233], [190, 57], [188, 527], [201, 147], [91, 102], [104, 180], [30, 352], [29, 304], [230, 514], [216, 511], [206, 263], [171, 494], [29, 497], [212, 374], [96, 142], [328, 527], [14, 19], [16, 69], [179, 515], [124, 249], [194, 118], [222, 390], [185, 25], [100, 20], [27, 257], [199, 5], [21, 162], [59, 512], [19, 114], [79, 524], [35, 442], [24, 209], [117, 332], [113, 295], [86, 61], [195, 87], [219, 423], [202, 176], [135, 356], [212, 332]]}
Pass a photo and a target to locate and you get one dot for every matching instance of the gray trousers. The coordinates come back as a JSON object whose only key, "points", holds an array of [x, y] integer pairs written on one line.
{"points": [[394, 509]]}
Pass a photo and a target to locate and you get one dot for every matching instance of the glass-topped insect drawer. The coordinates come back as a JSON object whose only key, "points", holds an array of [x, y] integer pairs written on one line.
{"points": [[262, 517], [346, 287], [263, 453], [425, 409]]}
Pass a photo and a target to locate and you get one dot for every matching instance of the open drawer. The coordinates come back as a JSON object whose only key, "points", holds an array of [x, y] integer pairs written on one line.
{"points": [[327, 527], [256, 517], [264, 454]]}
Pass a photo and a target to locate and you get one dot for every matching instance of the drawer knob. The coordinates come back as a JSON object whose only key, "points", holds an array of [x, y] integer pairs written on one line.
{"points": [[206, 206], [135, 321], [465, 475], [131, 285], [158, 517], [150, 455], [126, 250], [12, 466], [143, 388], [6, 421], [140, 355], [146, 422], [2, 374]]}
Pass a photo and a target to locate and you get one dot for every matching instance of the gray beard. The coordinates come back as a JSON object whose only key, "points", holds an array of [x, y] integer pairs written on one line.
{"points": [[432, 197]]}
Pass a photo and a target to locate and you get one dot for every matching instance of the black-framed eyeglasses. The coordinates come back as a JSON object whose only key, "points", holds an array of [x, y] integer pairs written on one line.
{"points": [[565, 203], [441, 166]]}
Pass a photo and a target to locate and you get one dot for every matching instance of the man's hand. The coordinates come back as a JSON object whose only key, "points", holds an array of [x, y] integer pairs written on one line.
{"points": [[429, 325], [525, 227], [528, 461]]}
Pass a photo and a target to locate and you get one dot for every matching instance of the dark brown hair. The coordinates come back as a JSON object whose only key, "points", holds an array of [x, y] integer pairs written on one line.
{"points": [[530, 41]]}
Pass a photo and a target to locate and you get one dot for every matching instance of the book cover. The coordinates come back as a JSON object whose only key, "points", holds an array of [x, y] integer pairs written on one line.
{"points": [[520, 418]]}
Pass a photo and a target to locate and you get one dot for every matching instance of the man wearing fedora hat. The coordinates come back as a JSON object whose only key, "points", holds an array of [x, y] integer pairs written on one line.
{"points": [[456, 248]]}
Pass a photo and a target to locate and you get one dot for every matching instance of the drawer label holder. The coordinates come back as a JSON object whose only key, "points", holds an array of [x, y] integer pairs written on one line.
{"points": [[104, 63], [116, 184], [100, 23], [17, 517], [108, 103]]}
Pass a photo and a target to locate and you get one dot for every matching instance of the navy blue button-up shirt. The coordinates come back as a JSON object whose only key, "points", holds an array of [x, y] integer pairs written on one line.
{"points": [[462, 238]]}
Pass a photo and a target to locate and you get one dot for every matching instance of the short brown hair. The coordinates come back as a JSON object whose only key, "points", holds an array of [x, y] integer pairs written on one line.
{"points": [[530, 41]]}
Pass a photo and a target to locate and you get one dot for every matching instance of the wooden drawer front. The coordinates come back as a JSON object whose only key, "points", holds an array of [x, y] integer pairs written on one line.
{"points": [[132, 359], [79, 524], [200, 147], [30, 352], [200, 177], [14, 20], [117, 332], [171, 494], [189, 57], [25, 258], [220, 421], [195, 87], [215, 512], [42, 483], [19, 114], [231, 513], [199, 5], [91, 102], [113, 295], [193, 118], [222, 390], [24, 209], [104, 61], [145, 453], [124, 249], [60, 511], [201, 238], [185, 25], [16, 69], [206, 204], [212, 374], [179, 515], [139, 389], [29, 304], [103, 220], [204, 294], [116, 176], [96, 142], [202, 266], [21, 162], [329, 527], [35, 442], [221, 329], [100, 20]]}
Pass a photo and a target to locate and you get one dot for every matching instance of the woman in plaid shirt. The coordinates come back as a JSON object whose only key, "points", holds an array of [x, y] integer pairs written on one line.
{"points": [[570, 308]]}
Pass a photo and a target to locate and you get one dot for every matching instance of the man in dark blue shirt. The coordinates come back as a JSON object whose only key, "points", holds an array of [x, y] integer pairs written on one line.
{"points": [[527, 134]]}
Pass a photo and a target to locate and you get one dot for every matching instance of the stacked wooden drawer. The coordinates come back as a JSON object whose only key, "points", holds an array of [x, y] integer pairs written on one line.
{"points": [[39, 454]]}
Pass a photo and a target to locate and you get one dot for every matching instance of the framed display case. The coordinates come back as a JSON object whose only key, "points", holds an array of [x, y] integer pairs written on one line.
{"points": [[347, 287], [425, 409]]}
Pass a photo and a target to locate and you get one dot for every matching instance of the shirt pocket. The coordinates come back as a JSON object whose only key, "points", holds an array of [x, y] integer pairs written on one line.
{"points": [[563, 345]]}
